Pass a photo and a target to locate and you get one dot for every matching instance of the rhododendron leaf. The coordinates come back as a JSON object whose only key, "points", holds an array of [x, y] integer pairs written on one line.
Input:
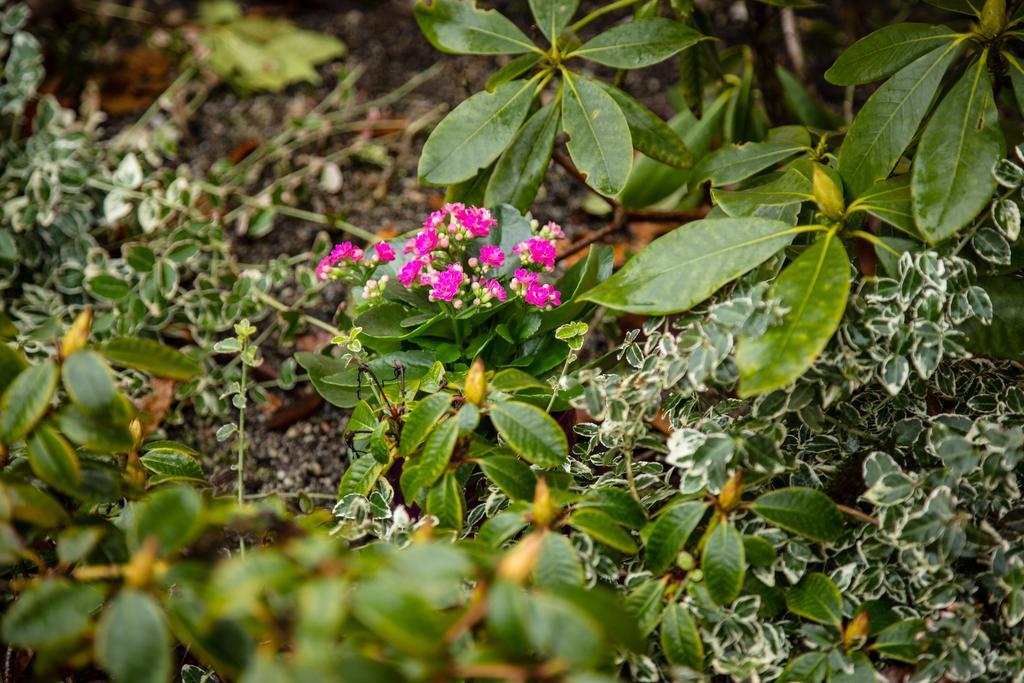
{"points": [[53, 460], [638, 43], [889, 200], [886, 51], [553, 16], [603, 528], [732, 164], [459, 27], [133, 643], [952, 177], [513, 70], [680, 639], [559, 563], [599, 140], [475, 133], [150, 356], [514, 477], [816, 598], [530, 432], [667, 535], [813, 291], [520, 170], [90, 384], [649, 133], [792, 187], [421, 420], [360, 476], [811, 667], [12, 362], [803, 511], [50, 612], [724, 563], [423, 471], [26, 399], [445, 501], [689, 264]]}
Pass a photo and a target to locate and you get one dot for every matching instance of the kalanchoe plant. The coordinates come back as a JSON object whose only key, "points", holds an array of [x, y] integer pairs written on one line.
{"points": [[468, 284], [497, 143]]}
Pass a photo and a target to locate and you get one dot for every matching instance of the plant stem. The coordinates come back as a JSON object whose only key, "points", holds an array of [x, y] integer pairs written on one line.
{"points": [[240, 466], [601, 11], [284, 308], [561, 376]]}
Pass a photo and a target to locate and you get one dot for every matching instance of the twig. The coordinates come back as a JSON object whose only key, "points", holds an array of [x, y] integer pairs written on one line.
{"points": [[862, 516], [794, 47], [618, 220]]}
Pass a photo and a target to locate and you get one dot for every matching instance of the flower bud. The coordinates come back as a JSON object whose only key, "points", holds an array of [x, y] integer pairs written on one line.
{"points": [[545, 509], [993, 17], [77, 335], [827, 194], [475, 389], [856, 630], [731, 493], [685, 561], [518, 563]]}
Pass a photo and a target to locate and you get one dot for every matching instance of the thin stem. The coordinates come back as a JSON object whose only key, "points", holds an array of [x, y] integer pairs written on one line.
{"points": [[312, 217], [241, 440], [284, 308], [874, 239], [561, 376], [857, 514], [600, 12], [629, 474]]}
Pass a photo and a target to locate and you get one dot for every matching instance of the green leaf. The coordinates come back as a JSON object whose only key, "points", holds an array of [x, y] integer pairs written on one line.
{"points": [[53, 460], [475, 133], [458, 27], [816, 598], [424, 416], [813, 290], [902, 641], [724, 563], [431, 464], [94, 433], [559, 563], [604, 529], [802, 103], [553, 16], [792, 187], [133, 644], [12, 363], [108, 287], [1000, 339], [530, 432], [90, 384], [668, 534], [513, 70], [515, 479], [399, 615], [680, 639], [1016, 78], [811, 667], [760, 552], [889, 119], [886, 51], [520, 169], [50, 613], [645, 602], [360, 476], [26, 503], [618, 504], [599, 140], [689, 264], [649, 133], [962, 6], [445, 501], [802, 511], [170, 516], [952, 177], [168, 466], [25, 400], [889, 201], [638, 43], [738, 162], [152, 357]]}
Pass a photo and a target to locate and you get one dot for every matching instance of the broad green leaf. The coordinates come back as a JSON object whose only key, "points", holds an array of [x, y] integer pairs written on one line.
{"points": [[813, 290], [792, 187], [553, 16], [445, 501], [952, 177], [889, 201], [902, 641], [886, 51], [360, 476], [604, 529], [802, 103], [811, 667], [680, 639], [1002, 338], [170, 516], [107, 436], [168, 466], [863, 671], [802, 511], [638, 43], [12, 362], [53, 460], [26, 399], [689, 264], [962, 6], [738, 162], [606, 609], [152, 357], [458, 27], [514, 477], [649, 133], [724, 563], [520, 169], [530, 432], [501, 528], [90, 384], [108, 287], [399, 615], [1016, 78], [618, 504], [423, 471], [513, 70], [645, 603], [599, 140], [77, 542], [133, 644], [559, 563], [889, 119], [25, 503], [421, 420], [50, 613], [475, 133], [668, 534], [760, 552], [816, 598]]}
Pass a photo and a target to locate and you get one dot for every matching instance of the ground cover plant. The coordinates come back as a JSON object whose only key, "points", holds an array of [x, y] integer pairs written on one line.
{"points": [[771, 431]]}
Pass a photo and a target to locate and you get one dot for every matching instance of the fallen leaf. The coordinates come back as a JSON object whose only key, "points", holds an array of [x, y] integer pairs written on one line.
{"points": [[154, 406]]}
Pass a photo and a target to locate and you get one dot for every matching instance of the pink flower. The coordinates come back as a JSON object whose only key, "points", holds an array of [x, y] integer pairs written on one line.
{"points": [[434, 219], [541, 295], [523, 278], [492, 256], [340, 252], [426, 241], [496, 290], [537, 250], [553, 231], [409, 272], [446, 283], [385, 252], [477, 220]]}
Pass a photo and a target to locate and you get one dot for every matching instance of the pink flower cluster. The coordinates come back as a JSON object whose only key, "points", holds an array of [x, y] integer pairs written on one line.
{"points": [[443, 261]]}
